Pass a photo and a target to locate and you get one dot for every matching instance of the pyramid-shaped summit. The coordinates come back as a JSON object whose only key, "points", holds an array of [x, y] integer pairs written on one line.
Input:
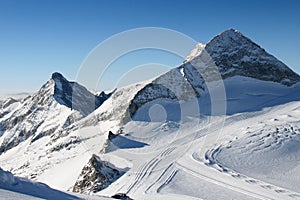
{"points": [[58, 104], [227, 55], [69, 94], [234, 54]]}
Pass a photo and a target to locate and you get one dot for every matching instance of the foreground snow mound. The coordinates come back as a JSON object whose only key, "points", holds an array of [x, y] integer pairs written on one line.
{"points": [[181, 157], [28, 188]]}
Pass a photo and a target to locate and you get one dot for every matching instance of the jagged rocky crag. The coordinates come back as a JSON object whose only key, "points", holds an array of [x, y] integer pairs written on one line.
{"points": [[75, 96], [95, 176], [235, 54]]}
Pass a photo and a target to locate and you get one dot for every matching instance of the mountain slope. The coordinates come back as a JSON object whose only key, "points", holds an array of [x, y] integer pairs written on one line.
{"points": [[58, 104], [168, 137], [229, 54], [247, 88]]}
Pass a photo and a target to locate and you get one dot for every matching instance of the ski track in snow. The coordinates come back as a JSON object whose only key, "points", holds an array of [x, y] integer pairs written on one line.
{"points": [[150, 178]]}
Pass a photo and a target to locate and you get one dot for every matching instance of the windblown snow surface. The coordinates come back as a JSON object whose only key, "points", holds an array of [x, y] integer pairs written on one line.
{"points": [[217, 157]]}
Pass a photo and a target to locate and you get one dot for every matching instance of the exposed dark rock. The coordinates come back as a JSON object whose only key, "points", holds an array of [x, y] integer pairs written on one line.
{"points": [[235, 54], [111, 135], [71, 119], [2, 114], [121, 196], [149, 93], [42, 134], [103, 95], [66, 145], [75, 96], [95, 176], [21, 135]]}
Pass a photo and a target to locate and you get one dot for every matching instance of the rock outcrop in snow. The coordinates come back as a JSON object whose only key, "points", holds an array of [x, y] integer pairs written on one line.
{"points": [[95, 176]]}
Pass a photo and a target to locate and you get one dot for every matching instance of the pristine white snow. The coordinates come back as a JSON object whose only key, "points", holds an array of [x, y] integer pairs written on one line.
{"points": [[195, 52], [12, 187]]}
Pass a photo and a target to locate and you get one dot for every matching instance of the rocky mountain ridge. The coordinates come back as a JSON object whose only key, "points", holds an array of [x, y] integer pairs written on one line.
{"points": [[57, 105]]}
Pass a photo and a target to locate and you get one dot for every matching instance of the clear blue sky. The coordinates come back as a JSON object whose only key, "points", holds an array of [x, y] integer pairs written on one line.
{"points": [[40, 37]]}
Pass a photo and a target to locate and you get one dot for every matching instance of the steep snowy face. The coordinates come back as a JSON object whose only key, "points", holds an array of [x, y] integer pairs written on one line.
{"points": [[179, 84], [58, 104], [235, 54], [195, 52], [75, 96]]}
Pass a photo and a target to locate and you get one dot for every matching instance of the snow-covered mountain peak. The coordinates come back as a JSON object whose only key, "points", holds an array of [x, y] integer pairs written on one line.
{"points": [[235, 54], [226, 38], [57, 76], [61, 83], [70, 94], [229, 41], [195, 52], [231, 34], [58, 104]]}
